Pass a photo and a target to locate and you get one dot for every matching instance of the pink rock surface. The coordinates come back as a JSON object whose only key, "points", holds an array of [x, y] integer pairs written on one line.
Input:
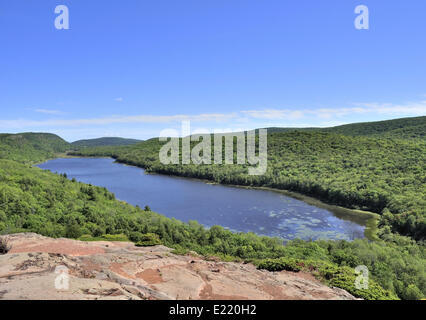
{"points": [[119, 270]]}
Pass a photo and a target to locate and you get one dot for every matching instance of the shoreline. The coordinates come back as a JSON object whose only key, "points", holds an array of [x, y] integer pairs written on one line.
{"points": [[366, 219]]}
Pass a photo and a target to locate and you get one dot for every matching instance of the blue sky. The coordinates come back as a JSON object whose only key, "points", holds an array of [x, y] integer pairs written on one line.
{"points": [[133, 68]]}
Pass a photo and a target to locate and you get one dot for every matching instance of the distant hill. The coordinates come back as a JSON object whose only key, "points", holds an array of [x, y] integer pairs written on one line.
{"points": [[397, 128], [404, 128], [377, 166], [101, 142], [31, 147], [290, 129]]}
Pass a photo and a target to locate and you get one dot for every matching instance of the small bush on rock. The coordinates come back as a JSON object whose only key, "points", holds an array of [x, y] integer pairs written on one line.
{"points": [[4, 245]]}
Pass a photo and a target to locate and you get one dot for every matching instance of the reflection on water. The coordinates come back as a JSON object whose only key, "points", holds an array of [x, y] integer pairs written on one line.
{"points": [[238, 209]]}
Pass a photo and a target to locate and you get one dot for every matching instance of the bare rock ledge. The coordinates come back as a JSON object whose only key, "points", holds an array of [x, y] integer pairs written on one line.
{"points": [[120, 270]]}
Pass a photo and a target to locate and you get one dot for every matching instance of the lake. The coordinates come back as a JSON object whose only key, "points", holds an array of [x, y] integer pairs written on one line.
{"points": [[263, 212]]}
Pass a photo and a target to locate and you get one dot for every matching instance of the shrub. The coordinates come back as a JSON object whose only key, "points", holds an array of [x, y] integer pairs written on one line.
{"points": [[4, 245], [149, 239], [413, 293], [331, 274], [136, 236], [345, 277], [180, 251], [288, 264], [73, 230], [104, 237], [115, 237]]}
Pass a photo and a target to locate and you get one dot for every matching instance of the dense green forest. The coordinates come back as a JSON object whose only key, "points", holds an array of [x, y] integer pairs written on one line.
{"points": [[405, 128], [107, 141], [31, 147], [49, 204], [381, 174]]}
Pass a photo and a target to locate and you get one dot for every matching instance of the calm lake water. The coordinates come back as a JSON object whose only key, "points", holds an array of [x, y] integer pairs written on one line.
{"points": [[238, 209]]}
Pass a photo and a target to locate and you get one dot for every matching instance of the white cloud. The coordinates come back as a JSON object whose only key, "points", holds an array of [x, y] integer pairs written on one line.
{"points": [[247, 119], [49, 111], [273, 114], [412, 108], [22, 123], [119, 99], [408, 109]]}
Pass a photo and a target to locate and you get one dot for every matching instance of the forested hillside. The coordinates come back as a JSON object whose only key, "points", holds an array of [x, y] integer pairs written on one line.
{"points": [[404, 128], [108, 141], [34, 147], [33, 200], [31, 147], [382, 175]]}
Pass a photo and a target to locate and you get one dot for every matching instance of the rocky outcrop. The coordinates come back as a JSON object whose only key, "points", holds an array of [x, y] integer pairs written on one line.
{"points": [[37, 267]]}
